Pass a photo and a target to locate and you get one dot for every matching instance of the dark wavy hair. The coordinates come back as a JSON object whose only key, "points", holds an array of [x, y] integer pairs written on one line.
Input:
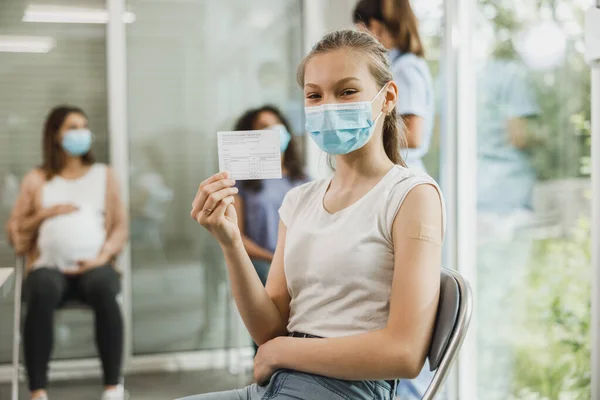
{"points": [[366, 10], [54, 156], [291, 158]]}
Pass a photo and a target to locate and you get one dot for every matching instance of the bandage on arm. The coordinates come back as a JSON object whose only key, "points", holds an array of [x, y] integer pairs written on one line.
{"points": [[426, 231], [417, 237]]}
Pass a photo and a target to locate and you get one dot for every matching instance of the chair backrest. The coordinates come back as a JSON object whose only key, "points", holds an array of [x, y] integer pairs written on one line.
{"points": [[445, 320], [451, 325]]}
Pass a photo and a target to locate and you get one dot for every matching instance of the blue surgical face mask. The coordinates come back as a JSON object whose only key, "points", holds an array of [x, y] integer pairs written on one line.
{"points": [[77, 142], [284, 136], [343, 127]]}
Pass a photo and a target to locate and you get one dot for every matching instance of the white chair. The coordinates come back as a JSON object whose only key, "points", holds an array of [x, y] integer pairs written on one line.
{"points": [[452, 322], [18, 301]]}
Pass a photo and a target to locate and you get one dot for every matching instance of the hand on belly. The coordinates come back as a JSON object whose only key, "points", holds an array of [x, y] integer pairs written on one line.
{"points": [[68, 238]]}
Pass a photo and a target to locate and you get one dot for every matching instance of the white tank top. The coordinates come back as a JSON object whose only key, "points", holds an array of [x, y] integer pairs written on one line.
{"points": [[339, 267], [80, 235]]}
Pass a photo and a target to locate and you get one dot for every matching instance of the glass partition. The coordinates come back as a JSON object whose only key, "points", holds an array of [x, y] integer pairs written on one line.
{"points": [[431, 27], [44, 63], [193, 68], [533, 264]]}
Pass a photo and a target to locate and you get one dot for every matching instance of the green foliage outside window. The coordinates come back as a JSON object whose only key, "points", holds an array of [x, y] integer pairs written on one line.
{"points": [[553, 345]]}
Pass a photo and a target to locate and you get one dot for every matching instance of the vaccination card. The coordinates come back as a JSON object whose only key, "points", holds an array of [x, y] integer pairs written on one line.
{"points": [[250, 154]]}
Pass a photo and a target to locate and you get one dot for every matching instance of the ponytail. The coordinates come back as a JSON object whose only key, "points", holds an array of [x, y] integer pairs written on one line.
{"points": [[394, 138]]}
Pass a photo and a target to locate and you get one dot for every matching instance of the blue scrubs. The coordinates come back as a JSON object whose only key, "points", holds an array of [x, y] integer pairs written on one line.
{"points": [[506, 180], [415, 97], [505, 184]]}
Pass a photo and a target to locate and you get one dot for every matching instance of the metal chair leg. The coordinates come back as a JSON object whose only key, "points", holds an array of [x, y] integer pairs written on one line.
{"points": [[19, 268]]}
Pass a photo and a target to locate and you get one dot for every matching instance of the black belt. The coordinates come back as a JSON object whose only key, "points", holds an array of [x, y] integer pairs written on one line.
{"points": [[304, 335], [308, 336]]}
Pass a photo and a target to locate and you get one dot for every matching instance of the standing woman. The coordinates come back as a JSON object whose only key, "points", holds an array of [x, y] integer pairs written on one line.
{"points": [[393, 22], [258, 201], [71, 224]]}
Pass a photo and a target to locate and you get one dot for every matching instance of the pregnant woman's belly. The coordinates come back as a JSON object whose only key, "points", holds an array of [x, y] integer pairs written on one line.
{"points": [[65, 239]]}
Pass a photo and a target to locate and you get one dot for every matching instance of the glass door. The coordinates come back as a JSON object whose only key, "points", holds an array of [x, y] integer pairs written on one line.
{"points": [[47, 59], [193, 68], [533, 200]]}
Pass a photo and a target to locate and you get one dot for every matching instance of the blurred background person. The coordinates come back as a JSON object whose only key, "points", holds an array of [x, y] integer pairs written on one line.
{"points": [[258, 201], [398, 32], [69, 220], [505, 212]]}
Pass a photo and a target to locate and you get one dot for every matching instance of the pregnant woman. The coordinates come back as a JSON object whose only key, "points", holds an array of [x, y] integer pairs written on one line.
{"points": [[70, 222]]}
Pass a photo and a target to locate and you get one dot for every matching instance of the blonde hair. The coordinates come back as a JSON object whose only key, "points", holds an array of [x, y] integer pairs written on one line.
{"points": [[364, 44]]}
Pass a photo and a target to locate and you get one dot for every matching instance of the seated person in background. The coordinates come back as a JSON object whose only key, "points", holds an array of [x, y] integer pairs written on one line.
{"points": [[353, 289], [70, 222], [258, 201]]}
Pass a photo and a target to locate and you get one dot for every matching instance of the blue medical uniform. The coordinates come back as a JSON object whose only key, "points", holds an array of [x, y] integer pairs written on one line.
{"points": [[505, 185], [415, 97], [506, 178]]}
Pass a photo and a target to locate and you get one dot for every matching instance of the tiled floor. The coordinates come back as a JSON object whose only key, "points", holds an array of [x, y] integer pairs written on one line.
{"points": [[163, 386]]}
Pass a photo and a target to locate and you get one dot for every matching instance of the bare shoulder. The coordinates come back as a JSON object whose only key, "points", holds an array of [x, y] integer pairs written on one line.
{"points": [[106, 167], [110, 172], [421, 216], [423, 205], [34, 179], [112, 183], [423, 198]]}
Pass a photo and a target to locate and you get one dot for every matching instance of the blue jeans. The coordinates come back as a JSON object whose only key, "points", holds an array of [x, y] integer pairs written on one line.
{"points": [[292, 385], [414, 389]]}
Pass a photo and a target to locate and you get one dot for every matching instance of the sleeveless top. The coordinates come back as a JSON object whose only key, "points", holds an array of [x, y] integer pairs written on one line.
{"points": [[80, 235], [339, 267]]}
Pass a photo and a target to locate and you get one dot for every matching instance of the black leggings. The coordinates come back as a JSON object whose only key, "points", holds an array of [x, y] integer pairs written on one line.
{"points": [[46, 289]]}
